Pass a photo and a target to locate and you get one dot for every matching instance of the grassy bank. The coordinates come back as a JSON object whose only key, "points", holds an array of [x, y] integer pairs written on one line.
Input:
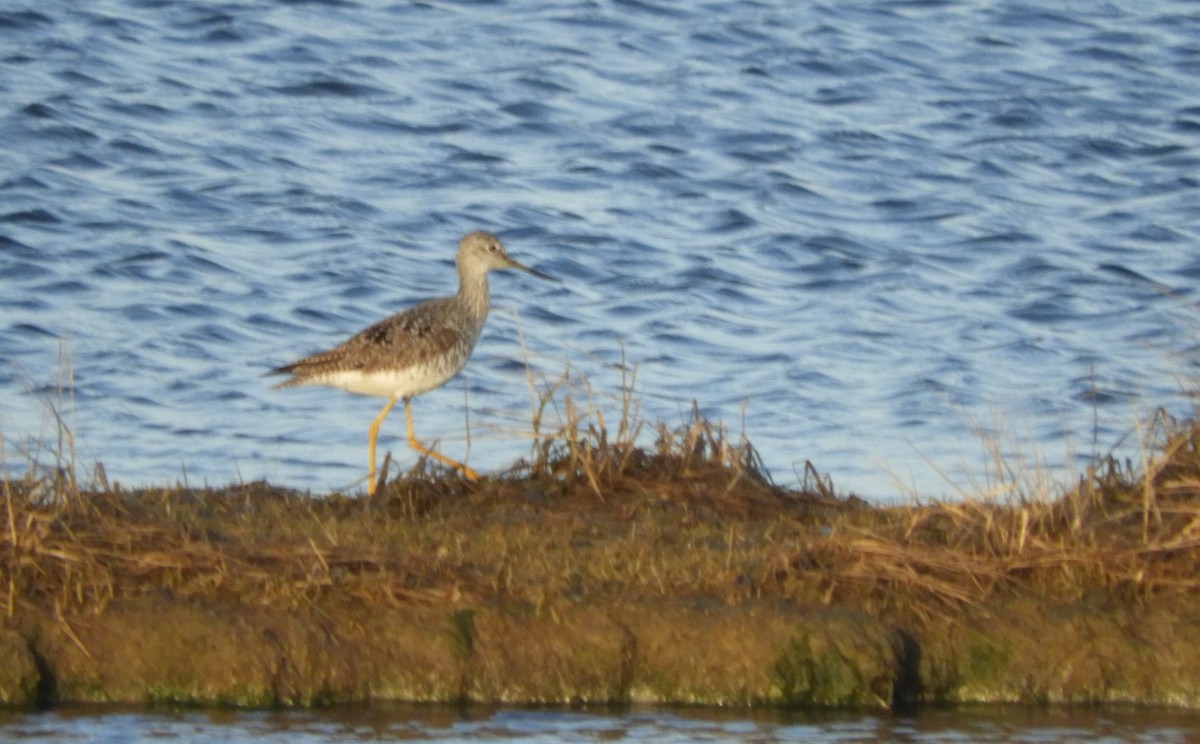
{"points": [[604, 570]]}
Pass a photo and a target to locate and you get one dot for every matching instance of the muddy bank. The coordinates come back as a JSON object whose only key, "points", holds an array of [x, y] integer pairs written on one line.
{"points": [[602, 573], [757, 653]]}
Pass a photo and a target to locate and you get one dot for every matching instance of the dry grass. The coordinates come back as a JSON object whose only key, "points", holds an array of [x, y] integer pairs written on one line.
{"points": [[1121, 530], [595, 515]]}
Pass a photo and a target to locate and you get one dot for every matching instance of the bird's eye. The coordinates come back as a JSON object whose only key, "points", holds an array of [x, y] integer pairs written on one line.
{"points": [[493, 247]]}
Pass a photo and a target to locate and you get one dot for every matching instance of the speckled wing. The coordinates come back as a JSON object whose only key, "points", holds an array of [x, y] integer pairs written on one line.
{"points": [[427, 335]]}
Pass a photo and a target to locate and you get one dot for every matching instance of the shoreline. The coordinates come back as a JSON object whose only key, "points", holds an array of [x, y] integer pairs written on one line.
{"points": [[602, 573]]}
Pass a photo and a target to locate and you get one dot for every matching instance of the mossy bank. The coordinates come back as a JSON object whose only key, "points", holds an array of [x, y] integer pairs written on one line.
{"points": [[604, 572]]}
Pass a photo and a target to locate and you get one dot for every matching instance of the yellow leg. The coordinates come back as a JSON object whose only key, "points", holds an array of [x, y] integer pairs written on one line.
{"points": [[372, 435], [468, 473]]}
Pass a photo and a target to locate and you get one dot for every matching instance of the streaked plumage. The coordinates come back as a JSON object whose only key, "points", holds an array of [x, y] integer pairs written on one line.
{"points": [[416, 350]]}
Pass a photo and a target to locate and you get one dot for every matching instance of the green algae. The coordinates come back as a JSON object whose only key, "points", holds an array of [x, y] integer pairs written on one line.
{"points": [[845, 660]]}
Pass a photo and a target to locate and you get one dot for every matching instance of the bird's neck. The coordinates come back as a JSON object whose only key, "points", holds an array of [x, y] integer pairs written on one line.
{"points": [[473, 291]]}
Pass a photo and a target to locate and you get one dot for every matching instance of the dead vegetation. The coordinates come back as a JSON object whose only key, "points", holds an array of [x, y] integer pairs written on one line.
{"points": [[597, 518], [594, 511]]}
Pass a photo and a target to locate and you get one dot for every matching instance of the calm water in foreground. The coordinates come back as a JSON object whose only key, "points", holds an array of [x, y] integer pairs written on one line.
{"points": [[860, 233], [386, 723]]}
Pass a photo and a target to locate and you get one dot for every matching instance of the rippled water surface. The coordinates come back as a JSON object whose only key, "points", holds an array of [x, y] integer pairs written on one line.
{"points": [[858, 232], [386, 723]]}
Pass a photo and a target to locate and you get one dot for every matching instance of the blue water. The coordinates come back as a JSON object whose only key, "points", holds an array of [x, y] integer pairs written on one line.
{"points": [[872, 235], [399, 723]]}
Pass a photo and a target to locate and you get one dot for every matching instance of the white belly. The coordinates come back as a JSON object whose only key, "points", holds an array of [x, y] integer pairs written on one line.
{"points": [[386, 384]]}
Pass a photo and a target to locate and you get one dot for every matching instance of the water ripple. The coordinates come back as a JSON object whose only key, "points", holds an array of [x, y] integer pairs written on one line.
{"points": [[867, 231]]}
